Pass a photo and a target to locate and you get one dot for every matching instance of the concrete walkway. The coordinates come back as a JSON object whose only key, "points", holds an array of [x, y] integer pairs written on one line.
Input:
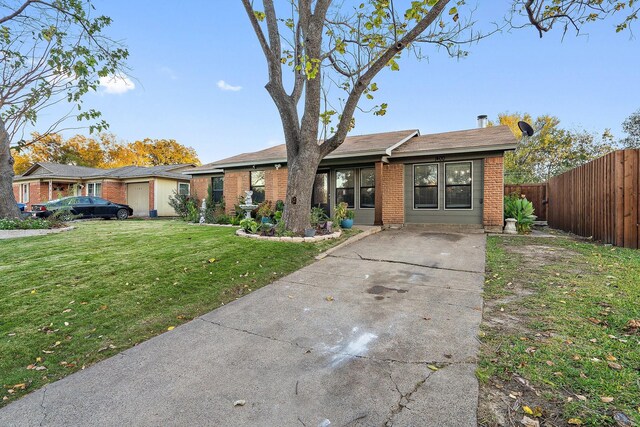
{"points": [[381, 332]]}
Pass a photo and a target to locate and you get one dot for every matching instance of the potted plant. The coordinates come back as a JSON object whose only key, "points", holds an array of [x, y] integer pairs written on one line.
{"points": [[265, 211], [347, 223], [340, 212], [316, 217]]}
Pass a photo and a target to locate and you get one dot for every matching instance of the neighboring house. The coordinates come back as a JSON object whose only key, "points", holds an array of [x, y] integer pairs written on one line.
{"points": [[386, 178], [145, 189]]}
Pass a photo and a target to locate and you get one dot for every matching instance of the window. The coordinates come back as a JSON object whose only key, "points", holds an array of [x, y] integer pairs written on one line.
{"points": [[183, 188], [257, 186], [94, 189], [425, 186], [345, 187], [457, 193], [24, 190], [99, 201], [217, 186], [367, 188]]}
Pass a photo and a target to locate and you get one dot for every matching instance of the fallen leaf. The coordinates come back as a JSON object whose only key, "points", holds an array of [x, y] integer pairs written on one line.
{"points": [[527, 410], [66, 310], [40, 368], [432, 367], [614, 365], [606, 399], [611, 358], [594, 320], [575, 421], [528, 422], [239, 403], [593, 340], [581, 397], [33, 291], [20, 386], [66, 323], [38, 359], [549, 362], [170, 328], [212, 260], [329, 298]]}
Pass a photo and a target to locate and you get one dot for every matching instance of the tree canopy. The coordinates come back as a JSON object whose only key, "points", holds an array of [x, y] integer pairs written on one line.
{"points": [[631, 126], [551, 151], [103, 152], [51, 53]]}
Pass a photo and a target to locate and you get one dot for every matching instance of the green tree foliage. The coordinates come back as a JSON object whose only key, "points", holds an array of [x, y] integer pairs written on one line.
{"points": [[51, 52], [551, 151], [631, 126]]}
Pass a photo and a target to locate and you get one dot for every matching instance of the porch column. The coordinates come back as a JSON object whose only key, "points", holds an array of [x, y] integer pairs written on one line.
{"points": [[377, 216]]}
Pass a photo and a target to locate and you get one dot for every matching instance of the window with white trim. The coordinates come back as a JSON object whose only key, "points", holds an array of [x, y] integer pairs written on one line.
{"points": [[94, 189], [24, 191], [425, 186], [457, 193], [183, 188]]}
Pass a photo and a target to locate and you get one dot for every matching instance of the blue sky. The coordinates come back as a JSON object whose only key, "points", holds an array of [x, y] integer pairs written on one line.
{"points": [[179, 51]]}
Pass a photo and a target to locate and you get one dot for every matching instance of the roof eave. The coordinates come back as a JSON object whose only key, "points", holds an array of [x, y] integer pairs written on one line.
{"points": [[502, 147]]}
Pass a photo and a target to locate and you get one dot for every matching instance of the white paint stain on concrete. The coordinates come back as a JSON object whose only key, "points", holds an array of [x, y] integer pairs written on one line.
{"points": [[366, 276], [445, 253], [356, 347], [324, 423]]}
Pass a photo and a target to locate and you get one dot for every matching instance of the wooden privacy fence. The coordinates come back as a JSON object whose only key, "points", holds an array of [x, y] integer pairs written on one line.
{"points": [[599, 199], [535, 193]]}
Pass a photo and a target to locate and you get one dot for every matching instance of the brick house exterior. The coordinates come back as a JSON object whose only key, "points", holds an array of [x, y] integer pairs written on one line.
{"points": [[145, 189], [448, 178]]}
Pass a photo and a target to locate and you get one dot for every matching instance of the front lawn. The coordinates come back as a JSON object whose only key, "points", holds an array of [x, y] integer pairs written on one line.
{"points": [[71, 299], [560, 333]]}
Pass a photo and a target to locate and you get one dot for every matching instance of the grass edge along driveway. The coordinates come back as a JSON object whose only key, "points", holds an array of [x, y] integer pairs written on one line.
{"points": [[558, 335], [72, 299]]}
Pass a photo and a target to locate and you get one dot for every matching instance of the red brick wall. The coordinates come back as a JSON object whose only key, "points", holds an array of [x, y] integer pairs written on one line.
{"points": [[199, 186], [493, 211], [235, 184], [16, 192], [393, 193], [275, 184], [114, 191], [152, 196]]}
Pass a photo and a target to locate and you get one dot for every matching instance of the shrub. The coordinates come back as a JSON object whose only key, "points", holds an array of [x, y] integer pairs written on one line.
{"points": [[249, 225], [264, 209], [520, 209], [180, 203], [24, 224], [317, 216]]}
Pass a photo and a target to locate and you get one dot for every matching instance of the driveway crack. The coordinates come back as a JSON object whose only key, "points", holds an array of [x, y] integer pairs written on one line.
{"points": [[413, 264], [44, 409], [405, 398], [439, 364]]}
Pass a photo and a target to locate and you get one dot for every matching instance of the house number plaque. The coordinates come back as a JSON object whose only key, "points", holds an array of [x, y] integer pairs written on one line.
{"points": [[439, 158]]}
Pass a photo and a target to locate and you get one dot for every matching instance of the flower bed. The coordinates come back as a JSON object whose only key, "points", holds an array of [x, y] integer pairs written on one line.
{"points": [[240, 232]]}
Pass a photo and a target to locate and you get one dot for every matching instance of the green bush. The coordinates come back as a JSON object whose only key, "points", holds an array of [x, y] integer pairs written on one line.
{"points": [[520, 209], [24, 224], [182, 203]]}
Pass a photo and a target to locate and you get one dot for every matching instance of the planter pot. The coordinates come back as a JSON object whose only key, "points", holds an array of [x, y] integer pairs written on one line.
{"points": [[309, 232], [510, 228], [266, 220], [346, 223]]}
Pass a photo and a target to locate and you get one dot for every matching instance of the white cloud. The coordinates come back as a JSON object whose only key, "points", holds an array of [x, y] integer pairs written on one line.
{"points": [[168, 72], [226, 86], [117, 84]]}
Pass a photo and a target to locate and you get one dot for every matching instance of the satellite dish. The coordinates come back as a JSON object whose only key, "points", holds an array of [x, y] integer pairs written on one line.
{"points": [[525, 128]]}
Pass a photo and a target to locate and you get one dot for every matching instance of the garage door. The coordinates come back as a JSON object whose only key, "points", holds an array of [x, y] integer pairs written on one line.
{"points": [[138, 198]]}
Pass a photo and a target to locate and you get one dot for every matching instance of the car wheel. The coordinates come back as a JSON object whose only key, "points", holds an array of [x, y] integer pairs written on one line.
{"points": [[122, 214]]}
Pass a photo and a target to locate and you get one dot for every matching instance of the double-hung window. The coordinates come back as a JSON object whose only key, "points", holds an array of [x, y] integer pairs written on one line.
{"points": [[425, 186], [345, 187], [183, 188], [257, 186], [457, 193], [217, 186], [367, 188], [94, 189], [25, 192]]}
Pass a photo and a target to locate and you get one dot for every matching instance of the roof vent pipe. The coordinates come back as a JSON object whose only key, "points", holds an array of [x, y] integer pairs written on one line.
{"points": [[482, 121]]}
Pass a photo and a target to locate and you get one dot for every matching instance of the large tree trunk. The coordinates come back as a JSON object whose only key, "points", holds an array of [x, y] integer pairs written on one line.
{"points": [[300, 176], [8, 206]]}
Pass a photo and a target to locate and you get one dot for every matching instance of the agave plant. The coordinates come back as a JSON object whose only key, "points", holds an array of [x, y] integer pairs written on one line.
{"points": [[520, 209]]}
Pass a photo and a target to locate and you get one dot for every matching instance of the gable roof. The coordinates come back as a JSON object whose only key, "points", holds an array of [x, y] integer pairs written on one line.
{"points": [[57, 170], [403, 143], [493, 138], [358, 145]]}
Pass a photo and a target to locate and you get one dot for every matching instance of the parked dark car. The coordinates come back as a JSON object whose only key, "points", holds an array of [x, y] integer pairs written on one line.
{"points": [[84, 206]]}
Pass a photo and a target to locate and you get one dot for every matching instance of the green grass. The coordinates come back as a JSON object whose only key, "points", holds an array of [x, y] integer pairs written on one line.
{"points": [[568, 304], [72, 299]]}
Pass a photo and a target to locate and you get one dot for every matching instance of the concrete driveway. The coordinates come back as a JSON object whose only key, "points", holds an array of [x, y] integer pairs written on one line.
{"points": [[381, 332]]}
